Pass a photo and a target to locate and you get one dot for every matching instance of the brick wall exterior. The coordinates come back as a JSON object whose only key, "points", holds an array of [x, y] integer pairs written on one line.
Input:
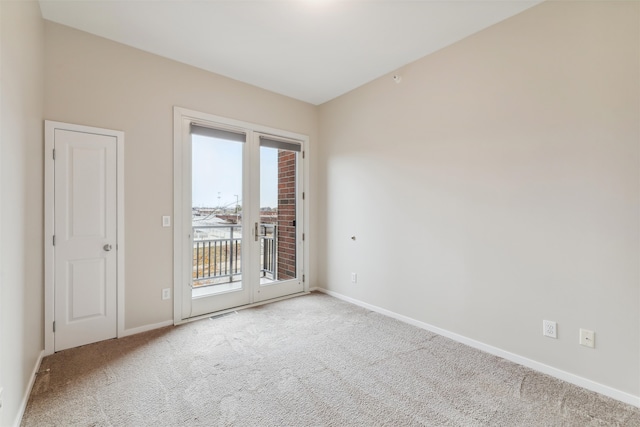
{"points": [[286, 255]]}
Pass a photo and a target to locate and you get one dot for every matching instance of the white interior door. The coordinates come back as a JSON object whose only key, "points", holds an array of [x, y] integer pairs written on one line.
{"points": [[85, 220]]}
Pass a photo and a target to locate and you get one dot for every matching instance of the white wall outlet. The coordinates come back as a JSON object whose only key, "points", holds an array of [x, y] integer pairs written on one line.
{"points": [[166, 293], [166, 221], [549, 329], [354, 278], [587, 338]]}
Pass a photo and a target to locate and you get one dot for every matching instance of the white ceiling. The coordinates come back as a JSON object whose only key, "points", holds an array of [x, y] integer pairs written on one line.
{"points": [[312, 50]]}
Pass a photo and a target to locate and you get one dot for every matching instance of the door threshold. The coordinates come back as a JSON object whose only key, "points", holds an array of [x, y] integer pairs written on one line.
{"points": [[217, 289], [242, 307]]}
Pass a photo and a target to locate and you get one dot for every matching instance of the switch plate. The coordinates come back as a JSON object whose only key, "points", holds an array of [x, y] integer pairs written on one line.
{"points": [[549, 329], [587, 338], [166, 293], [166, 221], [354, 278]]}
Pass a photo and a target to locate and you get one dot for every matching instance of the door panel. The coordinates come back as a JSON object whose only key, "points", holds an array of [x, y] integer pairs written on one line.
{"points": [[87, 289], [86, 205], [280, 231], [85, 238], [218, 249]]}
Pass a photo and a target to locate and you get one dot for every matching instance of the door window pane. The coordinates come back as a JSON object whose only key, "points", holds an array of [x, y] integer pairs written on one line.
{"points": [[216, 213], [278, 168]]}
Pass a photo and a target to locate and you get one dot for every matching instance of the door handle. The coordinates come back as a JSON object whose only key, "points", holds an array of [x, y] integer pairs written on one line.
{"points": [[107, 247]]}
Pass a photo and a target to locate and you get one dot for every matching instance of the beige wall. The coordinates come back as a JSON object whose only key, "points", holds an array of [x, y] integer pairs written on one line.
{"points": [[21, 195], [96, 82], [497, 186]]}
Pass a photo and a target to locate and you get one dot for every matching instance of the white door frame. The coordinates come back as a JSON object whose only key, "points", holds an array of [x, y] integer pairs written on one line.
{"points": [[182, 225], [49, 197]]}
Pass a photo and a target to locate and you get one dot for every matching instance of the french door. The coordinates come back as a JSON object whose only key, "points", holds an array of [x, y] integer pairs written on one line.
{"points": [[241, 215]]}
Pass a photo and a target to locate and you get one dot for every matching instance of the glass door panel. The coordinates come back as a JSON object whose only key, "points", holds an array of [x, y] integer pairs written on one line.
{"points": [[217, 165], [279, 225]]}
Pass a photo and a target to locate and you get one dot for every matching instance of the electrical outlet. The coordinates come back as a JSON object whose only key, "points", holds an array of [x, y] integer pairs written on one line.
{"points": [[354, 278], [549, 329], [166, 293], [587, 338], [166, 221]]}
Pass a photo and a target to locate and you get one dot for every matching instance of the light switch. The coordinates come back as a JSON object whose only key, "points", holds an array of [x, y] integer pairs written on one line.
{"points": [[166, 221]]}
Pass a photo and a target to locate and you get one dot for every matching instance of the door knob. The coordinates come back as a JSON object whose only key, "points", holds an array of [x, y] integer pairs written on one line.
{"points": [[107, 247]]}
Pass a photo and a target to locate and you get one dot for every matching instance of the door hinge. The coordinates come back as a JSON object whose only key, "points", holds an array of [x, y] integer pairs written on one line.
{"points": [[303, 237], [54, 154], [303, 278], [54, 326], [303, 195], [303, 154], [54, 240]]}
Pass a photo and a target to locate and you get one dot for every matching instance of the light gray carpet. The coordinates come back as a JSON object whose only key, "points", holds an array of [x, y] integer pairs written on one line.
{"points": [[307, 361]]}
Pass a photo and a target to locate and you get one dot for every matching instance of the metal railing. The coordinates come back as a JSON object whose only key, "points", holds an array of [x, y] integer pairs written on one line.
{"points": [[268, 251], [217, 253]]}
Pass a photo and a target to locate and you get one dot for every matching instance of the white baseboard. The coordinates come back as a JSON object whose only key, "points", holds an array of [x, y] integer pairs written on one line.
{"points": [[541, 367], [145, 328], [27, 392]]}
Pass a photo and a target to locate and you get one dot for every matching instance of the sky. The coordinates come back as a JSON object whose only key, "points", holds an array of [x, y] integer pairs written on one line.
{"points": [[217, 171]]}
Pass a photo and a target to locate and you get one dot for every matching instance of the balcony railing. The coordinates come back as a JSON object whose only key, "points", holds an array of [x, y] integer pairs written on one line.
{"points": [[217, 253]]}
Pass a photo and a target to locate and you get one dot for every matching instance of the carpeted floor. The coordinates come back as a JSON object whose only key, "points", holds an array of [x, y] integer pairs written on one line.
{"points": [[307, 361]]}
